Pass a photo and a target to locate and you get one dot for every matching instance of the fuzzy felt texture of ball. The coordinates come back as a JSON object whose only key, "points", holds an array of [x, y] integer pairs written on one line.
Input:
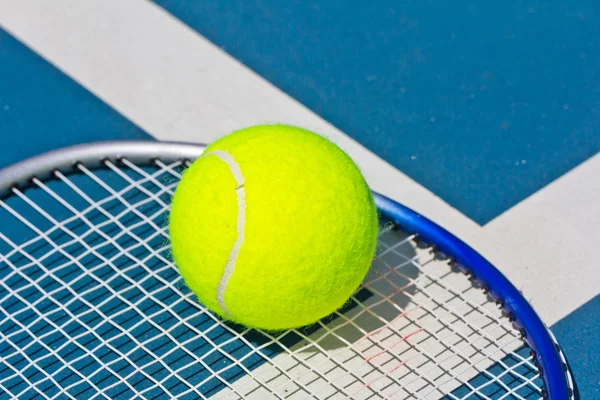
{"points": [[273, 227]]}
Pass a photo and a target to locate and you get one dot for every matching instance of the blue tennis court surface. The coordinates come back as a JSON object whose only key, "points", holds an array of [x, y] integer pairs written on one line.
{"points": [[483, 105], [488, 107], [42, 109]]}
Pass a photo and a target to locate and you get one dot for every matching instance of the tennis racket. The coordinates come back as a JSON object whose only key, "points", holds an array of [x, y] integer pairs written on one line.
{"points": [[92, 306]]}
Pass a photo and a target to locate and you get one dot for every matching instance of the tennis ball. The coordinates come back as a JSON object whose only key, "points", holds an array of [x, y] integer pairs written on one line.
{"points": [[273, 227]]}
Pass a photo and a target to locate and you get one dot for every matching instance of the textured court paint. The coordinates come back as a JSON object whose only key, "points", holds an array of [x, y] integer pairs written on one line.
{"points": [[482, 104], [137, 42], [578, 335], [42, 109], [153, 118]]}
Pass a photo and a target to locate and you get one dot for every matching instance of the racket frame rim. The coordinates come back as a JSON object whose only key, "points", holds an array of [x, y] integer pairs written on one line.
{"points": [[92, 155], [556, 373]]}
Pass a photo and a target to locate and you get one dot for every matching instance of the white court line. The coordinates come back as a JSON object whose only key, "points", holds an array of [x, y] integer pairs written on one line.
{"points": [[176, 85], [551, 241]]}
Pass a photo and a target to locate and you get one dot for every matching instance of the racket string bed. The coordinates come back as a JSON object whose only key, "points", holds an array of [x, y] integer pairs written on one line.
{"points": [[92, 306], [124, 230], [77, 296], [436, 360]]}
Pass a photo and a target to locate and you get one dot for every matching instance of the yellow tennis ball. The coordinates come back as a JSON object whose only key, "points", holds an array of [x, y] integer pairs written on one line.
{"points": [[273, 227]]}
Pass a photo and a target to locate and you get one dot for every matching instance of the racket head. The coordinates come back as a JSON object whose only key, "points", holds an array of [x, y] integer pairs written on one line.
{"points": [[114, 214]]}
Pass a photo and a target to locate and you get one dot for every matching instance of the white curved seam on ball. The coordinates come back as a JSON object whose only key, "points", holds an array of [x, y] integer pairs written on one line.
{"points": [[241, 221]]}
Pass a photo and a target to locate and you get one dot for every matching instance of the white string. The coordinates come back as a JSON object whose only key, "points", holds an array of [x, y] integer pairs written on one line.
{"points": [[483, 333], [75, 294], [458, 351], [155, 254], [439, 336]]}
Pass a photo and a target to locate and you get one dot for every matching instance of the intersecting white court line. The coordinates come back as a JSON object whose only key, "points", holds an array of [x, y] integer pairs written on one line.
{"points": [[176, 85]]}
